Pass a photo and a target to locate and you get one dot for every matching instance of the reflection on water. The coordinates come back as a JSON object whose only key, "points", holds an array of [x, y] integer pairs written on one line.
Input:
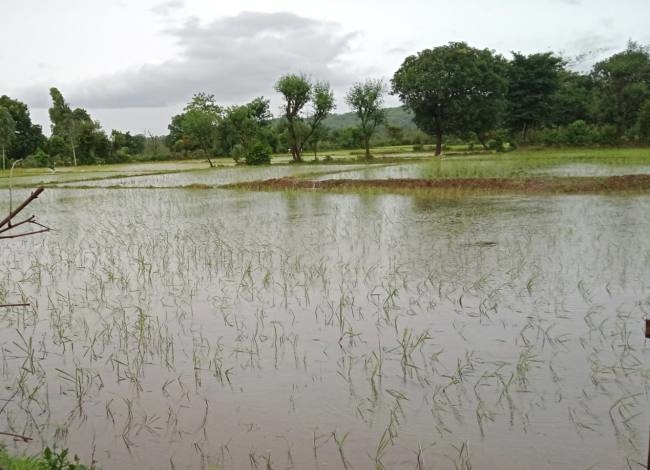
{"points": [[178, 328]]}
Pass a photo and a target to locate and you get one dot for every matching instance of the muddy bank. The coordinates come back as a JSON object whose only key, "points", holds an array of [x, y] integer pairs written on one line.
{"points": [[526, 185]]}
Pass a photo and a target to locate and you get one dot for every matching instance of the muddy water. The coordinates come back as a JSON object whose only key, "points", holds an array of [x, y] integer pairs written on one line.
{"points": [[183, 328]]}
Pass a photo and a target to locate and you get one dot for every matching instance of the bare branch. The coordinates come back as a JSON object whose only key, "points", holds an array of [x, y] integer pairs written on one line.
{"points": [[6, 224]]}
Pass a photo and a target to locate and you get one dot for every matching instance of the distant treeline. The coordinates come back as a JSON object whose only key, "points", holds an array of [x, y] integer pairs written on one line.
{"points": [[451, 93]]}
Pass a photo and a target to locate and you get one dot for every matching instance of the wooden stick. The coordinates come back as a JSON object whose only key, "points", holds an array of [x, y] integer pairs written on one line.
{"points": [[13, 305]]}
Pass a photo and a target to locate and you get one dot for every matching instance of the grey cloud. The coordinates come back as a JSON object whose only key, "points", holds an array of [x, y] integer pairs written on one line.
{"points": [[585, 51], [236, 58], [166, 8]]}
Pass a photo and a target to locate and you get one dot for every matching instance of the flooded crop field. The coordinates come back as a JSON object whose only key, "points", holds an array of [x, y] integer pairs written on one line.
{"points": [[224, 329]]}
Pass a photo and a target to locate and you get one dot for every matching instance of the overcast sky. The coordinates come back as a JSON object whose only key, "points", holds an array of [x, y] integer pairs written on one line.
{"points": [[134, 63]]}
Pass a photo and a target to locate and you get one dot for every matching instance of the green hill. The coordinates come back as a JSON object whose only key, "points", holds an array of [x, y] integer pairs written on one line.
{"points": [[395, 117]]}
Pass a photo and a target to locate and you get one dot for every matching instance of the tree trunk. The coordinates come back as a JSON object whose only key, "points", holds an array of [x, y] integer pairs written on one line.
{"points": [[295, 150], [524, 133], [366, 143], [481, 140], [438, 143], [74, 155], [3, 157]]}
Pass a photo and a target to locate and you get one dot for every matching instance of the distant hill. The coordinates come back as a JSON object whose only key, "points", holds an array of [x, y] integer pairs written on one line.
{"points": [[396, 117]]}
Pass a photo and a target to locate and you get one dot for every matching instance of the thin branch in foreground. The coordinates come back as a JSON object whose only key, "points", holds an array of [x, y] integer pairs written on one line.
{"points": [[7, 223], [17, 437]]}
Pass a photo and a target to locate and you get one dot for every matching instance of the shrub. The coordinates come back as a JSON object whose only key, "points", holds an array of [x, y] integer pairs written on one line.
{"points": [[259, 154], [580, 133], [607, 135]]}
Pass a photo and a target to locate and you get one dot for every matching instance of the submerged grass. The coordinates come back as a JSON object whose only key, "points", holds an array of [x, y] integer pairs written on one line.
{"points": [[328, 330]]}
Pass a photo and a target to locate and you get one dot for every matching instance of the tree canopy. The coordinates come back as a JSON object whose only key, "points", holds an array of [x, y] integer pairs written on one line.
{"points": [[27, 137], [366, 99], [532, 83], [86, 140], [622, 85], [297, 91], [442, 86]]}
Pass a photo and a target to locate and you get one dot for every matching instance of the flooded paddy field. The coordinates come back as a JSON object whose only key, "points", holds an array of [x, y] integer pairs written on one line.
{"points": [[207, 328]]}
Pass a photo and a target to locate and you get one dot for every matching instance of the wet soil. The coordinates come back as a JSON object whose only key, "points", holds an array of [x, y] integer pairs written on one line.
{"points": [[569, 185]]}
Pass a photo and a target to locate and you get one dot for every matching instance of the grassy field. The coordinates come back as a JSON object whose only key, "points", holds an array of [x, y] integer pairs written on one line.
{"points": [[517, 164]]}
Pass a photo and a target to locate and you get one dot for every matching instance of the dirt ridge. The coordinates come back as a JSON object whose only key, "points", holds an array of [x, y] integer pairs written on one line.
{"points": [[526, 185]]}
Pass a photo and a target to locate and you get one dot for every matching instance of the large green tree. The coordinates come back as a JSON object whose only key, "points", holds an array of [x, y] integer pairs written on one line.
{"points": [[27, 137], [622, 85], [298, 91], [196, 127], [88, 143], [366, 100], [442, 86], [572, 99], [7, 131], [64, 122], [532, 83], [246, 128]]}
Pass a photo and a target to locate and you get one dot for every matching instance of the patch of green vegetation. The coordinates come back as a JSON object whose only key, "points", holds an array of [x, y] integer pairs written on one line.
{"points": [[523, 163], [49, 460]]}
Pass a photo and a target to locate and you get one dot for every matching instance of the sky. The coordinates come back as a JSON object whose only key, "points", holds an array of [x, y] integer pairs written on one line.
{"points": [[133, 64]]}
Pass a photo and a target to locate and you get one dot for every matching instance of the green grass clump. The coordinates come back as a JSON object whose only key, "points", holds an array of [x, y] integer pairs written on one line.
{"points": [[50, 460]]}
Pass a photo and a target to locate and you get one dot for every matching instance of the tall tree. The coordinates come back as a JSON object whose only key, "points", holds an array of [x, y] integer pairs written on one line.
{"points": [[298, 91], [443, 85], [366, 100], [88, 143], [644, 122], [622, 84], [63, 121], [7, 130], [572, 99], [246, 129], [28, 137], [197, 126], [533, 81]]}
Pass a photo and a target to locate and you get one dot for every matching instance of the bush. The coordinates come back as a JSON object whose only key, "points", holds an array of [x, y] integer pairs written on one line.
{"points": [[580, 133], [259, 154], [40, 159], [498, 141], [607, 135]]}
